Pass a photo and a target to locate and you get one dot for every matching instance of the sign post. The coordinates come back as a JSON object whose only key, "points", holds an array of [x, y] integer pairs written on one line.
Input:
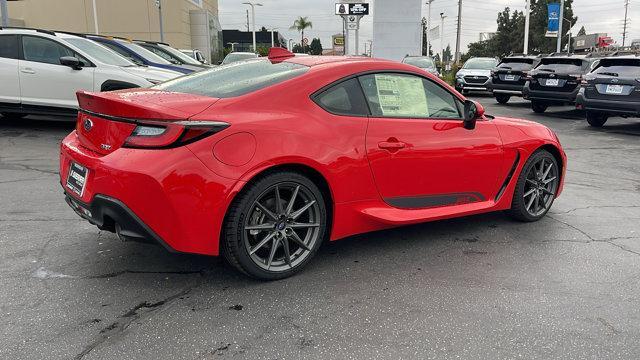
{"points": [[351, 14]]}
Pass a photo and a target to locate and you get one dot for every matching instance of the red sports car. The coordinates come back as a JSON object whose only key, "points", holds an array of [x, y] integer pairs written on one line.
{"points": [[262, 160]]}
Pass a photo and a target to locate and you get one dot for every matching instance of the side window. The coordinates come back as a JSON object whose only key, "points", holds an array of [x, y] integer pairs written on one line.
{"points": [[43, 50], [344, 98], [9, 47], [404, 95], [159, 52]]}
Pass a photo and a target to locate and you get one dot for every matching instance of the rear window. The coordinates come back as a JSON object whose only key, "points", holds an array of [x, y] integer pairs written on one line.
{"points": [[629, 68], [567, 66], [234, 79], [516, 64], [9, 46]]}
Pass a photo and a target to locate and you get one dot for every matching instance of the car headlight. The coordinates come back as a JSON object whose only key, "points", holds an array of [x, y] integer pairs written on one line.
{"points": [[154, 81]]}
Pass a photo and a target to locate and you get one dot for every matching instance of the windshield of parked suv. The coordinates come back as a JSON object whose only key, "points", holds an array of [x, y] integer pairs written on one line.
{"points": [[516, 64], [175, 53], [627, 68], [233, 57], [144, 53], [99, 52], [421, 62], [559, 65], [480, 64], [234, 79]]}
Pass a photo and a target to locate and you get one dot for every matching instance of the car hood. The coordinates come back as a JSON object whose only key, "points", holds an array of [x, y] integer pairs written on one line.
{"points": [[514, 130], [152, 73], [474, 72]]}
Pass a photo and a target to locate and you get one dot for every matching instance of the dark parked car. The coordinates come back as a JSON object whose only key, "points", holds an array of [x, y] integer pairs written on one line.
{"points": [[611, 89], [172, 55], [138, 54], [509, 77], [556, 81]]}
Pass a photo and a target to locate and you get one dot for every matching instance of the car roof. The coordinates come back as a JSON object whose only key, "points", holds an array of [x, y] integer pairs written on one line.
{"points": [[242, 53], [314, 60]]}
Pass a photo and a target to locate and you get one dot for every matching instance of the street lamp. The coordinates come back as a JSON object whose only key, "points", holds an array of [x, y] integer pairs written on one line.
{"points": [[442, 16], [232, 45], [272, 42], [253, 19], [428, 23], [290, 47]]}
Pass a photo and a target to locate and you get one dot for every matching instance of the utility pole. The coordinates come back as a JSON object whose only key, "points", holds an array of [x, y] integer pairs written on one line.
{"points": [[159, 5], [457, 56], [626, 12], [253, 20], [560, 21], [290, 46], [95, 18], [527, 12], [442, 16], [272, 40], [247, 20], [5, 12], [428, 22]]}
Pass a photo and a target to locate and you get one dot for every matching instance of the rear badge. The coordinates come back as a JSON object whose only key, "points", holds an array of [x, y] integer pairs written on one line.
{"points": [[105, 146], [88, 124]]}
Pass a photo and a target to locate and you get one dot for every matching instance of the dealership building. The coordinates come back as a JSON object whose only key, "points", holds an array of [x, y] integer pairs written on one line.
{"points": [[187, 24]]}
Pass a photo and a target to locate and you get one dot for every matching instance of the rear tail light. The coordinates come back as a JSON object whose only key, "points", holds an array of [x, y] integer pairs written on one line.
{"points": [[162, 135]]}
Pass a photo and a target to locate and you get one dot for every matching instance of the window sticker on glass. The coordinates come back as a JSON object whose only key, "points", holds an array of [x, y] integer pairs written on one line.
{"points": [[401, 95]]}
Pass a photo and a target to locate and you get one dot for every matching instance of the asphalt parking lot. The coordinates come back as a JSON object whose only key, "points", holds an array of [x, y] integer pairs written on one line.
{"points": [[567, 287]]}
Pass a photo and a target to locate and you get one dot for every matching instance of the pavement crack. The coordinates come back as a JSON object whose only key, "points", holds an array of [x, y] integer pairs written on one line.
{"points": [[124, 321], [573, 227]]}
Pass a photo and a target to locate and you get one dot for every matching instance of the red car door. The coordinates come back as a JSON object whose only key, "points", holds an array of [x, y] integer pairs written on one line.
{"points": [[419, 152]]}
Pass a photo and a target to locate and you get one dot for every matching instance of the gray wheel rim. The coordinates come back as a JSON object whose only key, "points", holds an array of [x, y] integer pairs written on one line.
{"points": [[540, 187], [282, 227]]}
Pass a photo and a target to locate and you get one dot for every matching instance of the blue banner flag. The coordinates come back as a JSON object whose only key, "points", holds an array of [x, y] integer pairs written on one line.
{"points": [[554, 19]]}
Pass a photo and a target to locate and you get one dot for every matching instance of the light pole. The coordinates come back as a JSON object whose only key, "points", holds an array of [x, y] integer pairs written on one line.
{"points": [[272, 42], [159, 5], [253, 20], [428, 22], [290, 47], [560, 18], [5, 13], [527, 11], [233, 44], [442, 16], [95, 17]]}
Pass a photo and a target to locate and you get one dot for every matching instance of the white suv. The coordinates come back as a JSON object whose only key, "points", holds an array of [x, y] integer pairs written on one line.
{"points": [[40, 71]]}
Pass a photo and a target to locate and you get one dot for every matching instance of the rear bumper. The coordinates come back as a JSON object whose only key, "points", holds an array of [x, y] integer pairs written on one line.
{"points": [[507, 89], [168, 196], [550, 95], [627, 108]]}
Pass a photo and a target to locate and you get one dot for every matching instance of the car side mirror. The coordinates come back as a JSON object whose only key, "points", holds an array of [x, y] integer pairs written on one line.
{"points": [[472, 112], [71, 61]]}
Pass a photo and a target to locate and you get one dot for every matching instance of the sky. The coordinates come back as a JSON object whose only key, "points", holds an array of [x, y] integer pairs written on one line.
{"points": [[477, 16]]}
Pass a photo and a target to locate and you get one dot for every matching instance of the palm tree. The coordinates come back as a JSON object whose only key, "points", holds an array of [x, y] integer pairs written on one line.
{"points": [[300, 24]]}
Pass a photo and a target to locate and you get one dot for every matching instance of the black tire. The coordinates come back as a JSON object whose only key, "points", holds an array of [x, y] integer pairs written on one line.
{"points": [[521, 209], [10, 115], [596, 119], [236, 240], [538, 106], [502, 98]]}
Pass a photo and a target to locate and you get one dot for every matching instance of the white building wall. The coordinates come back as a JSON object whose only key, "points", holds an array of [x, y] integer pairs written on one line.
{"points": [[397, 29]]}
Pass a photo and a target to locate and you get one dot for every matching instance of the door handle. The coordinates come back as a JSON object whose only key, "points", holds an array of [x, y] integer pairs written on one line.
{"points": [[27, 71], [392, 144]]}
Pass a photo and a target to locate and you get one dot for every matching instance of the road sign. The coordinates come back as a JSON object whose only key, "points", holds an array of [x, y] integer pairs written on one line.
{"points": [[352, 9], [305, 41], [353, 22]]}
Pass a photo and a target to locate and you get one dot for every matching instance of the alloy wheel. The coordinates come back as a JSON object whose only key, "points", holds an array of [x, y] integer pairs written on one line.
{"points": [[540, 187], [282, 227]]}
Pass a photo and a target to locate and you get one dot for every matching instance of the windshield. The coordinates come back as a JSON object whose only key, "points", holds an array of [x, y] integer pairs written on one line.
{"points": [[144, 53], [516, 64], [480, 64], [177, 54], [99, 52], [233, 57], [234, 79], [567, 66], [421, 62], [628, 68]]}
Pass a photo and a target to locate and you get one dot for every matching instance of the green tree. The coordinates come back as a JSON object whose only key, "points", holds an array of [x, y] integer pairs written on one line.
{"points": [[297, 49], [300, 24], [316, 47], [582, 31], [447, 53]]}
